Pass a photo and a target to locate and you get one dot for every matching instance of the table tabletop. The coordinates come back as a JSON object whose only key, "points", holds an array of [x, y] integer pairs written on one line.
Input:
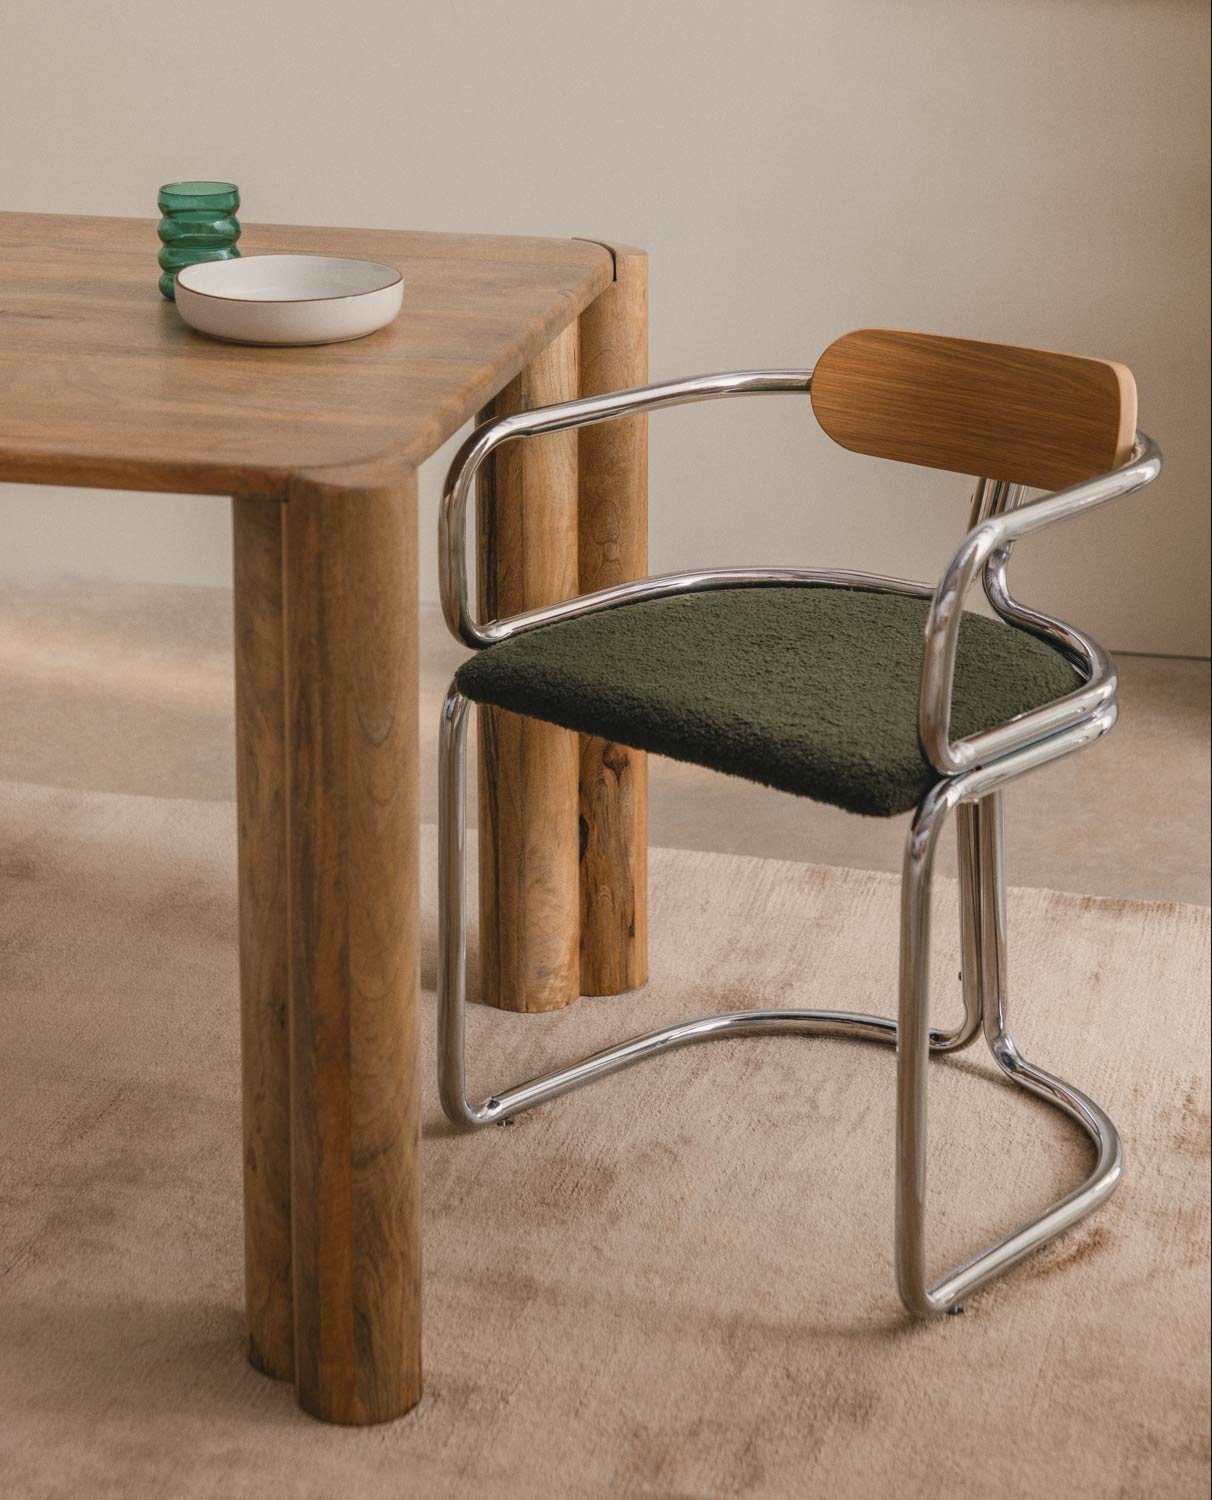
{"points": [[101, 383]]}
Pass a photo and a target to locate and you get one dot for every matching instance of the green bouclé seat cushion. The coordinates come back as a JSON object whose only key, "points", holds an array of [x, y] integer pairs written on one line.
{"points": [[813, 690]]}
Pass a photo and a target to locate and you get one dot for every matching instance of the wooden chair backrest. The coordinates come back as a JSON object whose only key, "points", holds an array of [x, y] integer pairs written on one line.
{"points": [[1026, 416]]}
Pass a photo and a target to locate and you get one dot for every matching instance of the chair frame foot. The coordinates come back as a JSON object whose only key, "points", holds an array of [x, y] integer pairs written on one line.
{"points": [[975, 797]]}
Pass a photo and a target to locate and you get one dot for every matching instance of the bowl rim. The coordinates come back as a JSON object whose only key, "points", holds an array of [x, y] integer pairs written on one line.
{"points": [[396, 275]]}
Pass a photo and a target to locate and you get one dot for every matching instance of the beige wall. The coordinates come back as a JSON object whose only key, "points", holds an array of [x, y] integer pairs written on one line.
{"points": [[1026, 170]]}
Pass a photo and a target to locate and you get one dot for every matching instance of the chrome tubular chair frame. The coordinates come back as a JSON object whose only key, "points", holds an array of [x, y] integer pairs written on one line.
{"points": [[973, 772]]}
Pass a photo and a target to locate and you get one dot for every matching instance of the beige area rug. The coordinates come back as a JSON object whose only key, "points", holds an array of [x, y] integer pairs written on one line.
{"points": [[677, 1283]]}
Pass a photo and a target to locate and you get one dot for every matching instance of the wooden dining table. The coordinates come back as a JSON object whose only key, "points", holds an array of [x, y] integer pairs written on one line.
{"points": [[102, 385]]}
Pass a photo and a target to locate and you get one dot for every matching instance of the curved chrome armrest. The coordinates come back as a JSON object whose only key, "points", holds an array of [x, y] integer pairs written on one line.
{"points": [[986, 550], [452, 529]]}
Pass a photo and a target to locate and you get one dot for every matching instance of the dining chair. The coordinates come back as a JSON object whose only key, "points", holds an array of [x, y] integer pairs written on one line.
{"points": [[877, 694]]}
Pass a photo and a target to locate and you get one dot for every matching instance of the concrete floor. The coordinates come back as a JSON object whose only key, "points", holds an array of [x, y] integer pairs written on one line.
{"points": [[128, 688]]}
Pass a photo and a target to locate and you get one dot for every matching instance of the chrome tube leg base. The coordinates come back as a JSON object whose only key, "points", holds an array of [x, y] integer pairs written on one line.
{"points": [[502, 1105], [983, 932], [983, 904]]}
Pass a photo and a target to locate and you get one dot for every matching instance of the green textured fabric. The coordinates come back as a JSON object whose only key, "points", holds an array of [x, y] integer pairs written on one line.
{"points": [[813, 690]]}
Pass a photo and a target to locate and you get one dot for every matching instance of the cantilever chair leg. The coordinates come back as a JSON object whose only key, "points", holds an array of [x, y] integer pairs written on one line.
{"points": [[983, 896], [983, 921]]}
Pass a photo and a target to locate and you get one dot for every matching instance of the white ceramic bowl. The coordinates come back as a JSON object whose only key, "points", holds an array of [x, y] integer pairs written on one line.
{"points": [[288, 299]]}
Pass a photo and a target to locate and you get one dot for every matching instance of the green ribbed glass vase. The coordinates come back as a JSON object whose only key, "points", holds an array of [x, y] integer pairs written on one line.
{"points": [[199, 223]]}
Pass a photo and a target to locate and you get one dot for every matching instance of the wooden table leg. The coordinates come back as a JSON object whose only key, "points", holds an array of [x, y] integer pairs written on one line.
{"points": [[264, 958], [613, 548], [351, 713], [528, 835]]}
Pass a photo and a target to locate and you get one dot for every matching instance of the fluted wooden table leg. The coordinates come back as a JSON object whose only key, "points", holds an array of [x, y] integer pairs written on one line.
{"points": [[613, 548], [527, 553], [264, 957], [351, 714]]}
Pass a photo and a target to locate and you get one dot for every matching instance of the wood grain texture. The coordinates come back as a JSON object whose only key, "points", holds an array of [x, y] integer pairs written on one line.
{"points": [[264, 948], [102, 384], [527, 556], [613, 548], [351, 673], [1027, 416]]}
